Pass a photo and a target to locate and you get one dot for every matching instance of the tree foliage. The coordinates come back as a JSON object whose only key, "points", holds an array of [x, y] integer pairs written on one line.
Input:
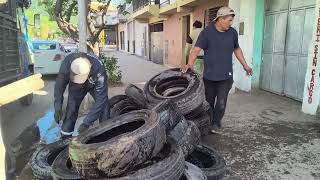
{"points": [[62, 11]]}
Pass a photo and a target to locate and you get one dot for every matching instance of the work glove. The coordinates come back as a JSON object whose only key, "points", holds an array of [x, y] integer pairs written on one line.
{"points": [[58, 116]]}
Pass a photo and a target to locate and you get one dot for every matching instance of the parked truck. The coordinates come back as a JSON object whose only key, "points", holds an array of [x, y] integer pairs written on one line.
{"points": [[15, 50], [15, 64]]}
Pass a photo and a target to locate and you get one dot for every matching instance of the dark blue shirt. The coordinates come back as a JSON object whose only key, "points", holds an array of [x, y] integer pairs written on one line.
{"points": [[218, 49]]}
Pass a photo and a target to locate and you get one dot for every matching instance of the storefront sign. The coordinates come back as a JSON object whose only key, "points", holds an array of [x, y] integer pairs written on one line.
{"points": [[311, 96]]}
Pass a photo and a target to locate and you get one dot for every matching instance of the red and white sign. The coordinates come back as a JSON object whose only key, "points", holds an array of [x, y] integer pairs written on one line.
{"points": [[311, 95]]}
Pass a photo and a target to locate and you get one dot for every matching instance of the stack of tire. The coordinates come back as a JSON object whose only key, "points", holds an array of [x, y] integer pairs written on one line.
{"points": [[184, 90], [149, 140]]}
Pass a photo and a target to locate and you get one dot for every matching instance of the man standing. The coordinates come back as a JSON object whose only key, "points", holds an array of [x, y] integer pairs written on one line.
{"points": [[84, 73], [219, 41]]}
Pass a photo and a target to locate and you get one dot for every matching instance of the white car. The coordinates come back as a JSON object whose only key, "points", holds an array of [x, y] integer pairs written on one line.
{"points": [[48, 56], [69, 47]]}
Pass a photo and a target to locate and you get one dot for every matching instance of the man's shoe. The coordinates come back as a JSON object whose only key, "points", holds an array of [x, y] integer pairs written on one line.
{"points": [[82, 128], [215, 130]]}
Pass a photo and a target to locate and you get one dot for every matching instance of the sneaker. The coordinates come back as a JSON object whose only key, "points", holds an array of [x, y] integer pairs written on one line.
{"points": [[215, 130]]}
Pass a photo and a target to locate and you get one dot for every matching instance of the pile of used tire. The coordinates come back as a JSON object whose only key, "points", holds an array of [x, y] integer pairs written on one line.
{"points": [[153, 134]]}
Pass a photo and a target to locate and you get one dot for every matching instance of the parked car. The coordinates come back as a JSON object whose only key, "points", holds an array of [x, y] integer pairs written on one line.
{"points": [[70, 47], [48, 56]]}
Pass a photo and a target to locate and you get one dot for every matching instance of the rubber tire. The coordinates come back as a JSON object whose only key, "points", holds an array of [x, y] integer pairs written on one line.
{"points": [[115, 99], [26, 140], [121, 153], [124, 106], [137, 95], [187, 136], [60, 170], [203, 120], [39, 162], [26, 100], [167, 165], [186, 101], [169, 114], [205, 107], [209, 161], [192, 172]]}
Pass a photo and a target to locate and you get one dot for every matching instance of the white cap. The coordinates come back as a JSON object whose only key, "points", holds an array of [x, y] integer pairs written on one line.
{"points": [[80, 69], [224, 11]]}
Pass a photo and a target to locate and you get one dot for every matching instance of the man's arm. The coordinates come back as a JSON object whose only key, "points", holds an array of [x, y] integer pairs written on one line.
{"points": [[202, 43], [192, 59], [101, 98], [239, 54], [60, 86]]}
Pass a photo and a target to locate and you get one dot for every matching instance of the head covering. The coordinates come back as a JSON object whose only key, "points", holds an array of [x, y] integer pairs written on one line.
{"points": [[224, 11], [80, 69]]}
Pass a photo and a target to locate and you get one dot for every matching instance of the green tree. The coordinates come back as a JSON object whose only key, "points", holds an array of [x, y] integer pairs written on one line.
{"points": [[62, 11]]}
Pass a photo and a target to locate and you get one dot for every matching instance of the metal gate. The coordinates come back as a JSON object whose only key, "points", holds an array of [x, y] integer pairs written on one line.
{"points": [[156, 40], [287, 35]]}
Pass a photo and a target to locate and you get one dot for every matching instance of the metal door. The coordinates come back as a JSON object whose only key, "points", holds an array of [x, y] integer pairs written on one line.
{"points": [[287, 35], [157, 47]]}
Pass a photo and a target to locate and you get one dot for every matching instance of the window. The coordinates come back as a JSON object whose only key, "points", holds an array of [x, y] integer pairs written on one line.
{"points": [[44, 46], [210, 15], [156, 27]]}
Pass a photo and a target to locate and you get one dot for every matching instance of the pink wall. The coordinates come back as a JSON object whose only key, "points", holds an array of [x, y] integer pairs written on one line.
{"points": [[173, 30]]}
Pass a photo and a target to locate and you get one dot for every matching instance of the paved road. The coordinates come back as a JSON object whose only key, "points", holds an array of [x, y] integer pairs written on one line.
{"points": [[16, 116]]}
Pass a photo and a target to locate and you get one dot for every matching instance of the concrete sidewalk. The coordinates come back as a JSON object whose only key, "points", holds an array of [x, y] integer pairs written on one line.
{"points": [[266, 136], [135, 70]]}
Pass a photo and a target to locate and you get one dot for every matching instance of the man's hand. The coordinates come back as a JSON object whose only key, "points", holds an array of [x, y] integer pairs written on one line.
{"points": [[58, 116], [185, 68], [248, 69]]}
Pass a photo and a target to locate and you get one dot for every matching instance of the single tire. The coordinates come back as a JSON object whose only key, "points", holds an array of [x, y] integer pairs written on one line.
{"points": [[187, 100], [203, 120], [26, 140], [124, 106], [137, 95], [193, 172], [26, 100], [169, 114], [118, 145], [209, 161], [62, 168], [43, 158], [115, 99], [168, 164], [199, 111], [187, 136]]}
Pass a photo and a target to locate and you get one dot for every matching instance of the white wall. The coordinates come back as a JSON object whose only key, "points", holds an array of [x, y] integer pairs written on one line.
{"points": [[245, 12]]}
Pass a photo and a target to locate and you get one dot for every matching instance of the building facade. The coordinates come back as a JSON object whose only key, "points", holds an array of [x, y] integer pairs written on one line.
{"points": [[275, 36]]}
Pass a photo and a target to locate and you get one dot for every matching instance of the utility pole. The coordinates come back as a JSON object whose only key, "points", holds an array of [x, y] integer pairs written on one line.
{"points": [[82, 25]]}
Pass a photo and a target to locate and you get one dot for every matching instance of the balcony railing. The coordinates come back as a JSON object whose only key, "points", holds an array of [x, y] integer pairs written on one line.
{"points": [[165, 3], [139, 4]]}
